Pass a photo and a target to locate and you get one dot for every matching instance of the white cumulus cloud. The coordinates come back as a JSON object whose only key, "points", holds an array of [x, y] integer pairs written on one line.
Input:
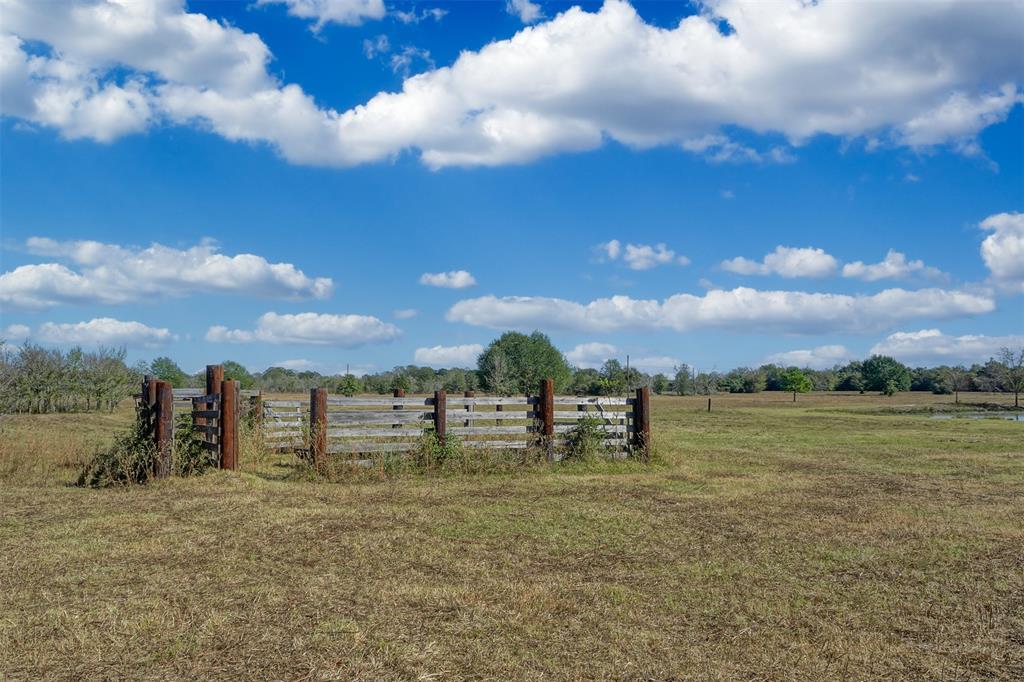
{"points": [[527, 11], [405, 313], [323, 12], [15, 333], [786, 261], [741, 310], [591, 354], [932, 347], [894, 266], [454, 279], [103, 331], [110, 273], [449, 356], [910, 73], [820, 357], [345, 331], [638, 256], [1003, 250]]}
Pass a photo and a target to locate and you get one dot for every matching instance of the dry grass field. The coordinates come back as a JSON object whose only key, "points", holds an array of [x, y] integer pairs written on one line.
{"points": [[841, 537]]}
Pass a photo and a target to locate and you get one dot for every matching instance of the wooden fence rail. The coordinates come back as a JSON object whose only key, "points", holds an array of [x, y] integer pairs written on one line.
{"points": [[327, 425]]}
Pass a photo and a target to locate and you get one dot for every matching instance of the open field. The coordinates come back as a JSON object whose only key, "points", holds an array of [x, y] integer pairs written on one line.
{"points": [[843, 536]]}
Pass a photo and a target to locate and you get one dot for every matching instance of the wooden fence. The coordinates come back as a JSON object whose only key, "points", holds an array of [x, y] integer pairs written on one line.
{"points": [[327, 425], [215, 416]]}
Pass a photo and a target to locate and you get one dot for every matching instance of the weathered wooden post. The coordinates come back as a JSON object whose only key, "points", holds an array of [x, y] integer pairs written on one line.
{"points": [[440, 416], [147, 402], [398, 393], [318, 426], [214, 378], [229, 424], [163, 428], [642, 421], [256, 411], [469, 406], [546, 407]]}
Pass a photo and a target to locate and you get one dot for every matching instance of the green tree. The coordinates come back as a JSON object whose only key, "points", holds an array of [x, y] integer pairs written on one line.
{"points": [[885, 374], [796, 381], [659, 383], [349, 385], [236, 371], [1011, 374], [956, 379], [683, 382], [165, 369], [516, 362]]}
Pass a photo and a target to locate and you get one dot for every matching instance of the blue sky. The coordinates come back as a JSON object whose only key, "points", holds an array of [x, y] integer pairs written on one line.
{"points": [[234, 180]]}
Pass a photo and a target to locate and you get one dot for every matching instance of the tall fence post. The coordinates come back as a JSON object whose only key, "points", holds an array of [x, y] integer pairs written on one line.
{"points": [[256, 411], [642, 422], [214, 378], [163, 428], [147, 402], [398, 393], [440, 415], [229, 424], [546, 407], [318, 426]]}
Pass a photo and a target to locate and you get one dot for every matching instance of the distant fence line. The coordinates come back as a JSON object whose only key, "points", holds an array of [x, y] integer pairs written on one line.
{"points": [[326, 425]]}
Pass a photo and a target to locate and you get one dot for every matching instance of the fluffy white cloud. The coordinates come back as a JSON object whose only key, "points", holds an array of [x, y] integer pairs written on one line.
{"points": [[786, 261], [912, 73], [639, 256], [821, 357], [103, 331], [117, 274], [1003, 250], [894, 266], [591, 354], [346, 331], [449, 356], [932, 347], [345, 12], [454, 279], [405, 313], [527, 11], [655, 364], [741, 309], [15, 333]]}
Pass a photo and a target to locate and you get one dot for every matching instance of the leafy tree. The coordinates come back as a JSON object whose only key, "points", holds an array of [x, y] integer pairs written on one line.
{"points": [[659, 383], [796, 381], [165, 369], [516, 362], [400, 382], [349, 385], [956, 379], [683, 382], [885, 374], [1011, 374], [235, 370]]}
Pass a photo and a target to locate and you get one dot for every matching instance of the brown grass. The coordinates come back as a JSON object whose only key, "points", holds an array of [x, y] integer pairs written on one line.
{"points": [[821, 540]]}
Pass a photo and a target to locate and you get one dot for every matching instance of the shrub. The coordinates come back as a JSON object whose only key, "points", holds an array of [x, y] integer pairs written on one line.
{"points": [[585, 440], [130, 459], [190, 457]]}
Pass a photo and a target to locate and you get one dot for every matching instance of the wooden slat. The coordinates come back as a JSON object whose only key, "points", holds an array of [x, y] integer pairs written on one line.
{"points": [[362, 433], [497, 444], [206, 414], [377, 417], [489, 416], [378, 402], [492, 401], [215, 398], [583, 400], [286, 403], [485, 430], [335, 448], [595, 415], [187, 392], [207, 429], [214, 447]]}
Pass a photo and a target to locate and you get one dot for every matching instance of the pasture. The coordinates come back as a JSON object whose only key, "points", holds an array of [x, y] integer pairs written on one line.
{"points": [[841, 536]]}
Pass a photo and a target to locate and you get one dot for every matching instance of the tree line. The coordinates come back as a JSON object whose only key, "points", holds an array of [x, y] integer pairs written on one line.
{"points": [[34, 379]]}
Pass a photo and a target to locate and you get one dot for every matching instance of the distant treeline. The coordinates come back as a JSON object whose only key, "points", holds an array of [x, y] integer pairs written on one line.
{"points": [[34, 379]]}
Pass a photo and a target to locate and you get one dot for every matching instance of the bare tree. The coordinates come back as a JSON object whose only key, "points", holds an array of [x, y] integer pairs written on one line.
{"points": [[1011, 374], [957, 379]]}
